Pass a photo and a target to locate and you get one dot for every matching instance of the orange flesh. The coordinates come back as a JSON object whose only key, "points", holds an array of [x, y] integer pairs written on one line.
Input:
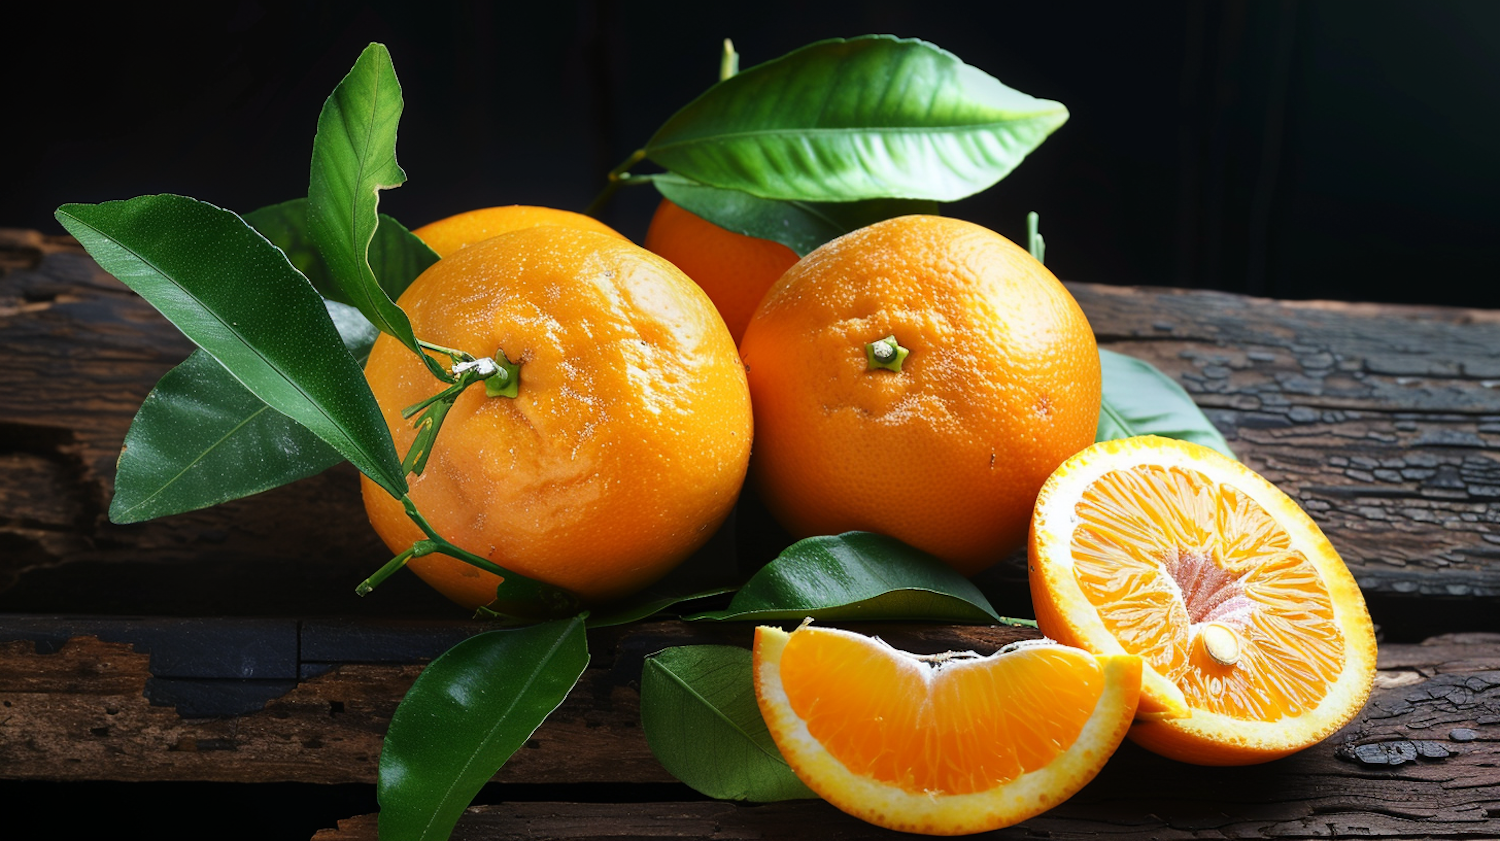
{"points": [[955, 727], [1154, 541]]}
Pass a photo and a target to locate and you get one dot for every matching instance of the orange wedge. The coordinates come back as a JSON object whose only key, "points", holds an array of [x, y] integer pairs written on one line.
{"points": [[1256, 639], [947, 744]]}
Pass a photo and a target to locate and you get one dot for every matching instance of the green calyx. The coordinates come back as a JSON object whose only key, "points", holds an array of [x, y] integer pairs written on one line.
{"points": [[885, 353], [506, 381]]}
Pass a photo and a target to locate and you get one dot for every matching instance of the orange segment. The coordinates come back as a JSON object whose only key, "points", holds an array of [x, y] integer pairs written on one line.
{"points": [[941, 745], [1255, 636]]}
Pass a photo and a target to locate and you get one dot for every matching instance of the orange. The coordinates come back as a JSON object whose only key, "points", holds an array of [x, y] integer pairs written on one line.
{"points": [[1001, 384], [1256, 639], [628, 440], [735, 270], [942, 745], [448, 235]]}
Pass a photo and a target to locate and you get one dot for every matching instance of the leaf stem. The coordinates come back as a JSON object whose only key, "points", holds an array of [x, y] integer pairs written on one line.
{"points": [[729, 62], [369, 584], [516, 595], [451, 353], [1034, 242], [500, 379], [617, 176]]}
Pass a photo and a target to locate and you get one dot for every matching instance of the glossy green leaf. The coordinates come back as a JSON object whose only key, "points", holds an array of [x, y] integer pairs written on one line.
{"points": [[700, 717], [397, 255], [799, 225], [856, 576], [649, 603], [236, 296], [465, 715], [200, 438], [842, 120], [1141, 400], [358, 333], [354, 158]]}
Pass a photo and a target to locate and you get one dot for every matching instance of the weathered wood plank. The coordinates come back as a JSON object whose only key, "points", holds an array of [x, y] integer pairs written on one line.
{"points": [[113, 709], [1435, 712], [1383, 421], [85, 709]]}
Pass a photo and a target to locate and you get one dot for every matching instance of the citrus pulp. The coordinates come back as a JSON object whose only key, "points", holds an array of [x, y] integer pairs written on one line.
{"points": [[1256, 639], [941, 745]]}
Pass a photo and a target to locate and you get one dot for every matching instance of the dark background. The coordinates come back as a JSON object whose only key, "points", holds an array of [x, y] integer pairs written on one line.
{"points": [[1337, 149]]}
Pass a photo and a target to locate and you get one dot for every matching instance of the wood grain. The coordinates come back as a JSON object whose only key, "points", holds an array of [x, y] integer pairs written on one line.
{"points": [[1382, 421], [1436, 709]]}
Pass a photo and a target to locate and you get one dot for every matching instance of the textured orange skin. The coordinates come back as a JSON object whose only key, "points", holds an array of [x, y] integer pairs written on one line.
{"points": [[1002, 385], [627, 445], [735, 270], [448, 235]]}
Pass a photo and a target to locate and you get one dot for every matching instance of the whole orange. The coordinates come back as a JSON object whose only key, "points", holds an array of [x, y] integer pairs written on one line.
{"points": [[1000, 386], [449, 234], [735, 270], [626, 445]]}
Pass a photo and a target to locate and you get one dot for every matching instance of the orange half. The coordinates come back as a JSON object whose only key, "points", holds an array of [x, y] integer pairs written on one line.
{"points": [[944, 745], [1256, 638]]}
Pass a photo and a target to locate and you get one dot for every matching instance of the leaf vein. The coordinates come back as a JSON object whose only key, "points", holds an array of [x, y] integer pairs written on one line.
{"points": [[531, 679], [198, 458], [231, 329]]}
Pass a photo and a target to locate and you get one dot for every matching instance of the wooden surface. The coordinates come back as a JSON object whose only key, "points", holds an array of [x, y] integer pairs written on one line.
{"points": [[228, 645]]}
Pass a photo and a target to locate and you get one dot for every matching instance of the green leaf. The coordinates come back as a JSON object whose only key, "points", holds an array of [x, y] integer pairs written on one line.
{"points": [[799, 225], [200, 438], [649, 603], [700, 717], [397, 255], [856, 576], [465, 715], [236, 296], [354, 158], [1141, 400], [358, 333], [842, 120]]}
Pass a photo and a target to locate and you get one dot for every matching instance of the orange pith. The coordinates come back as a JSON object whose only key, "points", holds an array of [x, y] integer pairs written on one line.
{"points": [[1161, 548], [946, 745]]}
